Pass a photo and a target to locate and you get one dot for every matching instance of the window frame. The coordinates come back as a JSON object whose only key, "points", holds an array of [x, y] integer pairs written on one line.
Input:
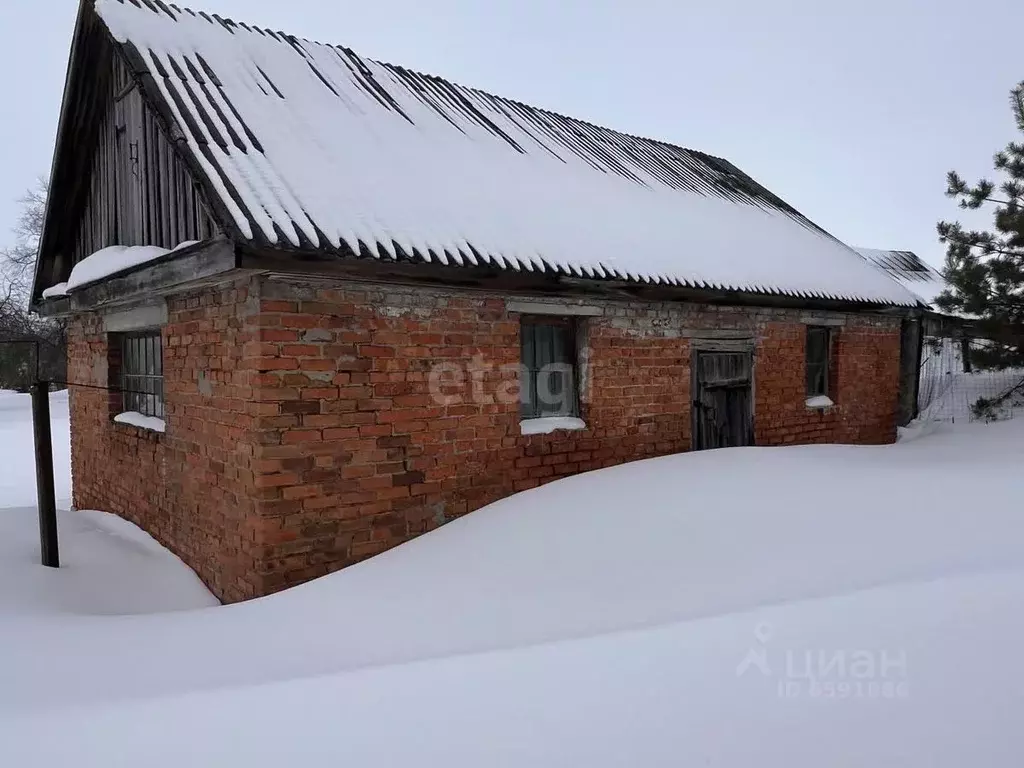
{"points": [[140, 373], [825, 365], [565, 327]]}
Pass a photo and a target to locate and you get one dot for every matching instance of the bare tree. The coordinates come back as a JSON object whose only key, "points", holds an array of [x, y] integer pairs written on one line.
{"points": [[23, 335], [17, 262]]}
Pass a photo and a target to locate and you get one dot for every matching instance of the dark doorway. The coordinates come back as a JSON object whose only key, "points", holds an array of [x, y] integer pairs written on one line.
{"points": [[723, 406]]}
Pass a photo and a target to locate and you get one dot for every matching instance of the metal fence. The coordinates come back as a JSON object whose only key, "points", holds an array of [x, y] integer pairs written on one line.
{"points": [[26, 359], [950, 390]]}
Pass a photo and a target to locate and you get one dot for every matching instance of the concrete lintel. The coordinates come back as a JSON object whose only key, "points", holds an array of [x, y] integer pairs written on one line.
{"points": [[545, 308], [705, 344], [825, 320], [137, 318], [698, 334]]}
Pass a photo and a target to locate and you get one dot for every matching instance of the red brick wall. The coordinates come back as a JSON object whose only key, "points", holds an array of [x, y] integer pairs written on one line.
{"points": [[864, 382], [359, 456], [304, 433], [191, 488], [356, 454]]}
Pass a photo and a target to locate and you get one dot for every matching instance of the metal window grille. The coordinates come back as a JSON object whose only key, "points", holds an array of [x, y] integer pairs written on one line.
{"points": [[548, 363], [142, 373], [818, 359]]}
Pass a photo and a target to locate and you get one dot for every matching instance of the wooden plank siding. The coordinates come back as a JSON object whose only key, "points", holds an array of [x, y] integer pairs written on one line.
{"points": [[141, 192]]}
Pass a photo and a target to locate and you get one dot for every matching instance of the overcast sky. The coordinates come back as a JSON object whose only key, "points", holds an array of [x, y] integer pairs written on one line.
{"points": [[850, 111]]}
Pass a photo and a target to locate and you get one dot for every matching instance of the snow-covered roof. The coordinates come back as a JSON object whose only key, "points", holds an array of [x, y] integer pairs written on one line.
{"points": [[312, 147], [909, 270]]}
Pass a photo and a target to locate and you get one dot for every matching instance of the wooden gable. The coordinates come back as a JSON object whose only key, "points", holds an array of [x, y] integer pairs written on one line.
{"points": [[119, 178]]}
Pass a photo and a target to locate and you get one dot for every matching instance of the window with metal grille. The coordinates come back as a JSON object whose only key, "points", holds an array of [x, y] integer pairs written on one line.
{"points": [[819, 343], [548, 386], [142, 373]]}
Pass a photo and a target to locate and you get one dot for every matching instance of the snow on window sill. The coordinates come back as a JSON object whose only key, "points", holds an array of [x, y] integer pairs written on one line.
{"points": [[550, 424], [821, 401], [58, 291], [150, 423]]}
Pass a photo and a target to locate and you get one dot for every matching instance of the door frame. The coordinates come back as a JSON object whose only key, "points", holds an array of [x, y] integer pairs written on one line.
{"points": [[737, 344]]}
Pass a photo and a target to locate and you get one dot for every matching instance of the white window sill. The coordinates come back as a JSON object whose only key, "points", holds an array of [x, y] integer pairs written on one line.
{"points": [[819, 402], [551, 424], [149, 423]]}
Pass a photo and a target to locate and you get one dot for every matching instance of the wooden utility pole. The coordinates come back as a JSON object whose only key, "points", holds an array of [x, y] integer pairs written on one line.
{"points": [[965, 353], [45, 494]]}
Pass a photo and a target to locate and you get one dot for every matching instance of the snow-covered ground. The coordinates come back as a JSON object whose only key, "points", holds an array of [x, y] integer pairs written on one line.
{"points": [[109, 565], [839, 606], [17, 457]]}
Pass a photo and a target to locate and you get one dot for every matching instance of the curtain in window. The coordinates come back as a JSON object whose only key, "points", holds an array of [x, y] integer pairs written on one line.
{"points": [[817, 361], [549, 370], [142, 374]]}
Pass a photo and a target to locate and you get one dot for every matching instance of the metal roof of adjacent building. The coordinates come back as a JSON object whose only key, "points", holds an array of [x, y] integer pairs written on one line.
{"points": [[909, 270]]}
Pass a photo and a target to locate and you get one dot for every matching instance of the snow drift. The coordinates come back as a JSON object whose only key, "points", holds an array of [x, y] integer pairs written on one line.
{"points": [[607, 619]]}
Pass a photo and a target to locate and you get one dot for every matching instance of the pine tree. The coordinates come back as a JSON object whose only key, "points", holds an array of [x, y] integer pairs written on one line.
{"points": [[985, 269]]}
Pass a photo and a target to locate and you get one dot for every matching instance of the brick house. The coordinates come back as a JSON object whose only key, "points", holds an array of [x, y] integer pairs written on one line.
{"points": [[320, 305]]}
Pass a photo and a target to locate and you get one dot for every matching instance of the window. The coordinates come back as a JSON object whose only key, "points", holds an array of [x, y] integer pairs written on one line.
{"points": [[819, 342], [142, 373], [548, 385]]}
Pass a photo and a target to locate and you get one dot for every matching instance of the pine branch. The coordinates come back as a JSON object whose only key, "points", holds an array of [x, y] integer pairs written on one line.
{"points": [[990, 250], [1017, 105], [997, 201], [952, 233]]}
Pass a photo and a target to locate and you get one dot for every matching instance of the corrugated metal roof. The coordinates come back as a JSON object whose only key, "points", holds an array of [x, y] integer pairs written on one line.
{"points": [[312, 147], [909, 270]]}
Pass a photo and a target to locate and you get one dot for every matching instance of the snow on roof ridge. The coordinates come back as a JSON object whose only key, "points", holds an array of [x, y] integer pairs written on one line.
{"points": [[480, 178]]}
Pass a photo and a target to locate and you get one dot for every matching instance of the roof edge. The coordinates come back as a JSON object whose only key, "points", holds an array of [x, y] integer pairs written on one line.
{"points": [[85, 7], [553, 279]]}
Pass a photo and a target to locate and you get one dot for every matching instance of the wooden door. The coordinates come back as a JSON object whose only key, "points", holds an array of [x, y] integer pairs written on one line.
{"points": [[723, 406]]}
